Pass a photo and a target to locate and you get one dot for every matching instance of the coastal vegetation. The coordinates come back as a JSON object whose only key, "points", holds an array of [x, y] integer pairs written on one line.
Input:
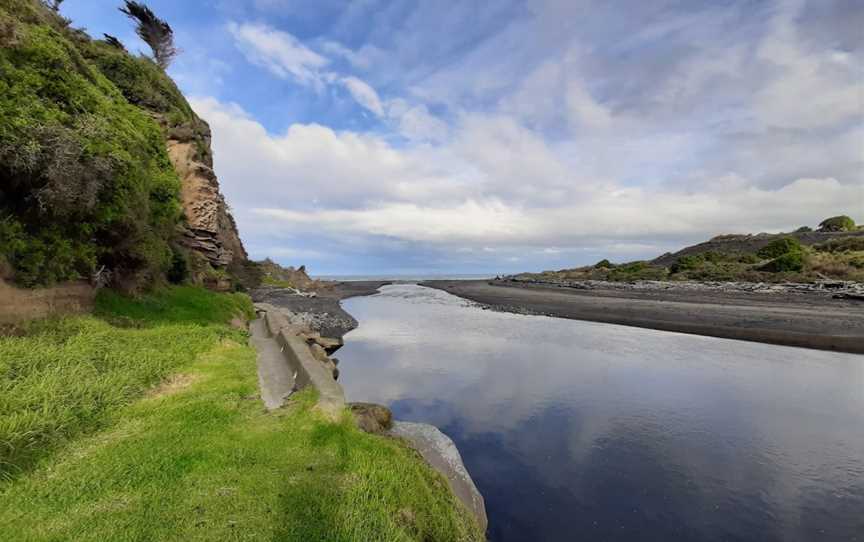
{"points": [[838, 223], [143, 421], [87, 179], [89, 190], [154, 31], [763, 258]]}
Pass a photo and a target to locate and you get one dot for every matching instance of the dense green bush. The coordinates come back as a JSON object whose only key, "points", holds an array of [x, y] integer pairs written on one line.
{"points": [[713, 263], [47, 258], [179, 272], [140, 80], [686, 263], [86, 179], [837, 223], [791, 262], [749, 258], [804, 229], [780, 247], [604, 264]]}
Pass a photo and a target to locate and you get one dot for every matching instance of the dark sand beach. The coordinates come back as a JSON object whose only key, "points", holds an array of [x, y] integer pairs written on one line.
{"points": [[811, 320]]}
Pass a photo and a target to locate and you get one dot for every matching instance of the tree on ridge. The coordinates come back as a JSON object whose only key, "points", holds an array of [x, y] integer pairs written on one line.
{"points": [[154, 31]]}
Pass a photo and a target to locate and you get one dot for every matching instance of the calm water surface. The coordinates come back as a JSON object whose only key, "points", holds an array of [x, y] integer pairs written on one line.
{"points": [[583, 431]]}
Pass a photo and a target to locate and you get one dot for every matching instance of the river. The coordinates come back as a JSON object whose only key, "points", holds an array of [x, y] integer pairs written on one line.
{"points": [[585, 431]]}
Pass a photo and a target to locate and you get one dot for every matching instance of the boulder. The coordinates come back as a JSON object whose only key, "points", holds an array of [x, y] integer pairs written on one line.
{"points": [[372, 418], [442, 455]]}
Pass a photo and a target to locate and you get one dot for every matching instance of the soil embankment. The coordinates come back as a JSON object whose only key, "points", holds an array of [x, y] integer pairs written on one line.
{"points": [[19, 305], [807, 320]]}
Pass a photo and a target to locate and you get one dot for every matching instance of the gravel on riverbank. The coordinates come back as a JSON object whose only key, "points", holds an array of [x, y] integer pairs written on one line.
{"points": [[319, 310]]}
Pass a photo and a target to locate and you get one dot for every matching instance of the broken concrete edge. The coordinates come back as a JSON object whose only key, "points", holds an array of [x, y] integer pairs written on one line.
{"points": [[436, 448], [308, 370], [440, 452]]}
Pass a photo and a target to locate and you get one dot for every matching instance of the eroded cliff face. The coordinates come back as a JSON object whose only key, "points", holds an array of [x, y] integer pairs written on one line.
{"points": [[209, 228]]}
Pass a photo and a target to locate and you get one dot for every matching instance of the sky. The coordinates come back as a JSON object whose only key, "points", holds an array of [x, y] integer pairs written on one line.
{"points": [[476, 136]]}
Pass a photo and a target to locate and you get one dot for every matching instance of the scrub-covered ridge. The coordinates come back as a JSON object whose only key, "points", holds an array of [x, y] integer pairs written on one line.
{"points": [[89, 189]]}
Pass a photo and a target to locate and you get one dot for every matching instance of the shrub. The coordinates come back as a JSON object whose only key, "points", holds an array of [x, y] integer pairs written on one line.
{"points": [[178, 273], [140, 80], [837, 223], [86, 177], [716, 257], [687, 263], [749, 258], [791, 262], [780, 247], [47, 258], [604, 264], [804, 229], [8, 31]]}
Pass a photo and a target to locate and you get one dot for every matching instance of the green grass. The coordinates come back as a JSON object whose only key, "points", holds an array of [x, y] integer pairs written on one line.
{"points": [[175, 305], [277, 283], [65, 376], [154, 431]]}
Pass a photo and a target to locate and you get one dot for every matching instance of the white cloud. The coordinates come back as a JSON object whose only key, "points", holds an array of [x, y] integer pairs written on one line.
{"points": [[556, 132], [812, 88], [364, 94], [287, 57], [624, 214], [416, 123], [279, 52], [584, 111], [362, 59], [473, 192], [310, 164]]}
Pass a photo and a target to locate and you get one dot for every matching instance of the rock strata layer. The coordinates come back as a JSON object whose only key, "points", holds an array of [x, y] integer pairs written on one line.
{"points": [[210, 229]]}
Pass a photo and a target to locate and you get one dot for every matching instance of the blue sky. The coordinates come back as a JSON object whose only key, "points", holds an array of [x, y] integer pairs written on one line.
{"points": [[394, 136]]}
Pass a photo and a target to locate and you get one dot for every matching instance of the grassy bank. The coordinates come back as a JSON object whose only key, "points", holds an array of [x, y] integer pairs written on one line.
{"points": [[144, 423]]}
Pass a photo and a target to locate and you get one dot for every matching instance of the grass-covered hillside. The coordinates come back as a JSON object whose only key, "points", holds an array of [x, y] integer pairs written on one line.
{"points": [[834, 252], [143, 422], [85, 179]]}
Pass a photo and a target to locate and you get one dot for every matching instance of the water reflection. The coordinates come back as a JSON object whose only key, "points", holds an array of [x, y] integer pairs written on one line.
{"points": [[575, 430]]}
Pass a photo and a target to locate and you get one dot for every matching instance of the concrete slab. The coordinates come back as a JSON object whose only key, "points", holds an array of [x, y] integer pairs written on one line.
{"points": [[306, 370], [276, 379]]}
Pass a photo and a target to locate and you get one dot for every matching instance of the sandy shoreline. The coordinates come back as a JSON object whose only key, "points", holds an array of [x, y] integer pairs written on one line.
{"points": [[807, 321]]}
